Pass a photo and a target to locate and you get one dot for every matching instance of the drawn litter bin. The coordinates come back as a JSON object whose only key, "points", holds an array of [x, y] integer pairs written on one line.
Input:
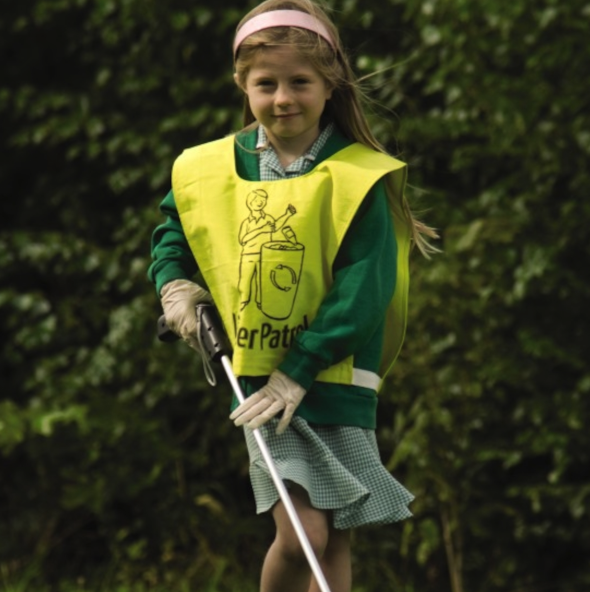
{"points": [[280, 265]]}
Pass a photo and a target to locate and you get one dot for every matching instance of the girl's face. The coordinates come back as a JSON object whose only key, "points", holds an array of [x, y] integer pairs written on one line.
{"points": [[287, 95]]}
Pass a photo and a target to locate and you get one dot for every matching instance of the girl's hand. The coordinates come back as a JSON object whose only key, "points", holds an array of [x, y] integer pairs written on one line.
{"points": [[280, 393], [179, 298]]}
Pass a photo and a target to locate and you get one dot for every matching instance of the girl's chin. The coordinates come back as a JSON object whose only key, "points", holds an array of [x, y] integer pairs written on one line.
{"points": [[286, 131]]}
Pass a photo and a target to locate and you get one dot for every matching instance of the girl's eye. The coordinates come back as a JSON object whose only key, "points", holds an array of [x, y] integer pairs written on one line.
{"points": [[301, 81]]}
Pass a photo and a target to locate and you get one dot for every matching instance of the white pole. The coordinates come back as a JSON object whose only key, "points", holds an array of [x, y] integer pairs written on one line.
{"points": [[283, 493]]}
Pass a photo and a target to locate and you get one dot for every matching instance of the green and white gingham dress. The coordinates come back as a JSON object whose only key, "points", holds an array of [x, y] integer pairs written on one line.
{"points": [[338, 466]]}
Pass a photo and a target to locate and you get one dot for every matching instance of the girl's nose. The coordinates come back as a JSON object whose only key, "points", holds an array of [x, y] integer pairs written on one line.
{"points": [[283, 96]]}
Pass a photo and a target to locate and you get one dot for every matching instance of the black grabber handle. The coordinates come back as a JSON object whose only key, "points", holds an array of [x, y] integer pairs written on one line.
{"points": [[212, 338]]}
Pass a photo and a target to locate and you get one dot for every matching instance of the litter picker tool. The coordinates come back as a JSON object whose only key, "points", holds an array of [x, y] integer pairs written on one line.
{"points": [[215, 345]]}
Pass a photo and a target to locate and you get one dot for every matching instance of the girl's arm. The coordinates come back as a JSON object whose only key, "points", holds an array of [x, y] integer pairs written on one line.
{"points": [[172, 258], [354, 308]]}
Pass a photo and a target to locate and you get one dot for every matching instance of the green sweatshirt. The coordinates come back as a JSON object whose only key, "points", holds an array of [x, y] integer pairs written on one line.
{"points": [[350, 321]]}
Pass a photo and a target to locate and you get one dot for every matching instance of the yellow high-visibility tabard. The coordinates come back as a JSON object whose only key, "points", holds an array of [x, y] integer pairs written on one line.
{"points": [[266, 248]]}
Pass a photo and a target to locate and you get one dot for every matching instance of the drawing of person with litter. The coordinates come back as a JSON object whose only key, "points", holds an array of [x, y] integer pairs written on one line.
{"points": [[255, 231]]}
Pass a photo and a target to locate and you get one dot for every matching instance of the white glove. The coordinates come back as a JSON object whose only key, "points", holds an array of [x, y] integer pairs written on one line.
{"points": [[280, 393], [179, 298]]}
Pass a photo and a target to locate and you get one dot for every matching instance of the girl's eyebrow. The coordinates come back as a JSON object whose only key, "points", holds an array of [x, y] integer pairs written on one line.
{"points": [[264, 74], [258, 77], [261, 73]]}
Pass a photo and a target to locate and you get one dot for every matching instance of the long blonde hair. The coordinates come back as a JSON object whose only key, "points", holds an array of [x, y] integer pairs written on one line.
{"points": [[345, 105]]}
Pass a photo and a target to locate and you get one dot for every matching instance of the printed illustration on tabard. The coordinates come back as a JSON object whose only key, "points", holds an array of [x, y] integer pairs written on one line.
{"points": [[271, 259]]}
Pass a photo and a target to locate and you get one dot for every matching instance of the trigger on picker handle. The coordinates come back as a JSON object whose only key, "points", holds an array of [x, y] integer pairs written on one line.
{"points": [[164, 332]]}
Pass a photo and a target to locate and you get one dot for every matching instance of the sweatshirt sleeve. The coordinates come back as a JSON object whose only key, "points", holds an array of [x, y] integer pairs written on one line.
{"points": [[172, 258], [364, 272]]}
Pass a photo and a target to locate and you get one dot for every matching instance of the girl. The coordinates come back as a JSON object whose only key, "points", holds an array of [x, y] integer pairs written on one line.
{"points": [[300, 228]]}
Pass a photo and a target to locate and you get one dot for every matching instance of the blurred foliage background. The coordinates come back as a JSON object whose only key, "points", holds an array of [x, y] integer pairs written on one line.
{"points": [[119, 470]]}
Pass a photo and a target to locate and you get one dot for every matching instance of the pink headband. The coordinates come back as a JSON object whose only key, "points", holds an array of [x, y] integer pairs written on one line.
{"points": [[281, 18]]}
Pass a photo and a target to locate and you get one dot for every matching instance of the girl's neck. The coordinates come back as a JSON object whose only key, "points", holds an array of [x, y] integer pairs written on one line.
{"points": [[290, 149]]}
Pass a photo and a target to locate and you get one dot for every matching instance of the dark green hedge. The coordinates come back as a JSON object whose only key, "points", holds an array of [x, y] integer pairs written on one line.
{"points": [[117, 462]]}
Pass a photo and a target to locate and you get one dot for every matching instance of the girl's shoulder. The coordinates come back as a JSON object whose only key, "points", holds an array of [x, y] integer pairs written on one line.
{"points": [[337, 141], [245, 154], [246, 139], [243, 141], [356, 153]]}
